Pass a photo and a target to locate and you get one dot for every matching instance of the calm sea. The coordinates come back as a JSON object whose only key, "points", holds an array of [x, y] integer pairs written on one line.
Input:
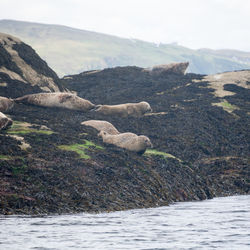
{"points": [[220, 223]]}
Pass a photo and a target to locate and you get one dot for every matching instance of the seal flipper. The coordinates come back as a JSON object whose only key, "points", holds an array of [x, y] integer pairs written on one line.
{"points": [[96, 107], [64, 98], [22, 99]]}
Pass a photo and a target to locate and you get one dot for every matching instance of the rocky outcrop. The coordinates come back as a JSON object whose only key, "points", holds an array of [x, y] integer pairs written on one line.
{"points": [[5, 122], [219, 81], [200, 150], [20, 63], [172, 68]]}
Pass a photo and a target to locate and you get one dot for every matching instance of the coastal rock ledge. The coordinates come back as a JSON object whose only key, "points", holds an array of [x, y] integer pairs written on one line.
{"points": [[51, 163]]}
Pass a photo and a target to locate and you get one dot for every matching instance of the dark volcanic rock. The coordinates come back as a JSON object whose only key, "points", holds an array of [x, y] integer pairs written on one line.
{"points": [[184, 121], [57, 165]]}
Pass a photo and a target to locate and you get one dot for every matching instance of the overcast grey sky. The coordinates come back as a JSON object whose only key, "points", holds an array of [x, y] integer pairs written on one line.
{"points": [[195, 24]]}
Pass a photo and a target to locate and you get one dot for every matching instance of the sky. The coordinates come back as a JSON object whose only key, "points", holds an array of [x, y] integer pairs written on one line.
{"points": [[215, 24]]}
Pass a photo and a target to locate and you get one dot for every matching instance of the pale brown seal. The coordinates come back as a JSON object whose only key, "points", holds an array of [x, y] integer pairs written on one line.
{"points": [[57, 99], [175, 68], [5, 122], [125, 110], [6, 104], [129, 141], [102, 125]]}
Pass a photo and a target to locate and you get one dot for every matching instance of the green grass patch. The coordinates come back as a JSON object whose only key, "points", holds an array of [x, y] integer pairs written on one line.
{"points": [[5, 157], [22, 128], [83, 134], [160, 153], [226, 106], [80, 148], [91, 144], [10, 157], [28, 131], [19, 169]]}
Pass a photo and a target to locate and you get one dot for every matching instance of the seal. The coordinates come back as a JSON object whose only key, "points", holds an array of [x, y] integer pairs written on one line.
{"points": [[5, 122], [129, 141], [172, 68], [6, 104], [125, 110], [57, 99], [102, 125]]}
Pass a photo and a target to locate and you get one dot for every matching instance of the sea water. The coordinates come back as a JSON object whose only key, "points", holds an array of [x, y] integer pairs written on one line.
{"points": [[220, 223]]}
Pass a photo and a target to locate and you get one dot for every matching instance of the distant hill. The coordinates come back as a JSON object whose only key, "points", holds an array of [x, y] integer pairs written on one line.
{"points": [[70, 51]]}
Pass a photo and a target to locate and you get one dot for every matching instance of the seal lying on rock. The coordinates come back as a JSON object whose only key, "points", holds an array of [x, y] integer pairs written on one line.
{"points": [[57, 99], [129, 141], [102, 125], [124, 110], [5, 122], [6, 104], [174, 68]]}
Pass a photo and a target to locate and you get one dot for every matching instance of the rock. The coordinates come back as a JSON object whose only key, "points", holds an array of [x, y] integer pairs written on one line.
{"points": [[200, 151], [5, 122], [219, 81], [21, 63]]}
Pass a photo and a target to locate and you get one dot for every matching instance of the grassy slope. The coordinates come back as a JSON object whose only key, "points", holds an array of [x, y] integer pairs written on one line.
{"points": [[70, 51]]}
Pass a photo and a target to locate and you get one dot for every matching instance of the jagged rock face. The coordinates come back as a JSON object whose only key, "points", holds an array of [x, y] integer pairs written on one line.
{"points": [[172, 68], [5, 122], [19, 62]]}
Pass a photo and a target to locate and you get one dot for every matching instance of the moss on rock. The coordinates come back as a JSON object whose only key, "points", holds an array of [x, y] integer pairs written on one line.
{"points": [[160, 153], [80, 148], [23, 128]]}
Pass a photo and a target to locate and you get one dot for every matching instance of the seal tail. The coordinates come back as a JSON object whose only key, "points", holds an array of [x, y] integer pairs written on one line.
{"points": [[20, 99], [96, 107]]}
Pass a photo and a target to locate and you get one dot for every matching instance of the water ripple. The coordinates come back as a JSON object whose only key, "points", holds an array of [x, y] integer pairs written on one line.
{"points": [[221, 223]]}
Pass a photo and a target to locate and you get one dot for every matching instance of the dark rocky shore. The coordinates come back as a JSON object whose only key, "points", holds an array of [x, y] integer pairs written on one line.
{"points": [[201, 150]]}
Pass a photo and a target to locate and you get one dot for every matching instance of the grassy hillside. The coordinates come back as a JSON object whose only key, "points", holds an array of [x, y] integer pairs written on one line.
{"points": [[69, 51]]}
